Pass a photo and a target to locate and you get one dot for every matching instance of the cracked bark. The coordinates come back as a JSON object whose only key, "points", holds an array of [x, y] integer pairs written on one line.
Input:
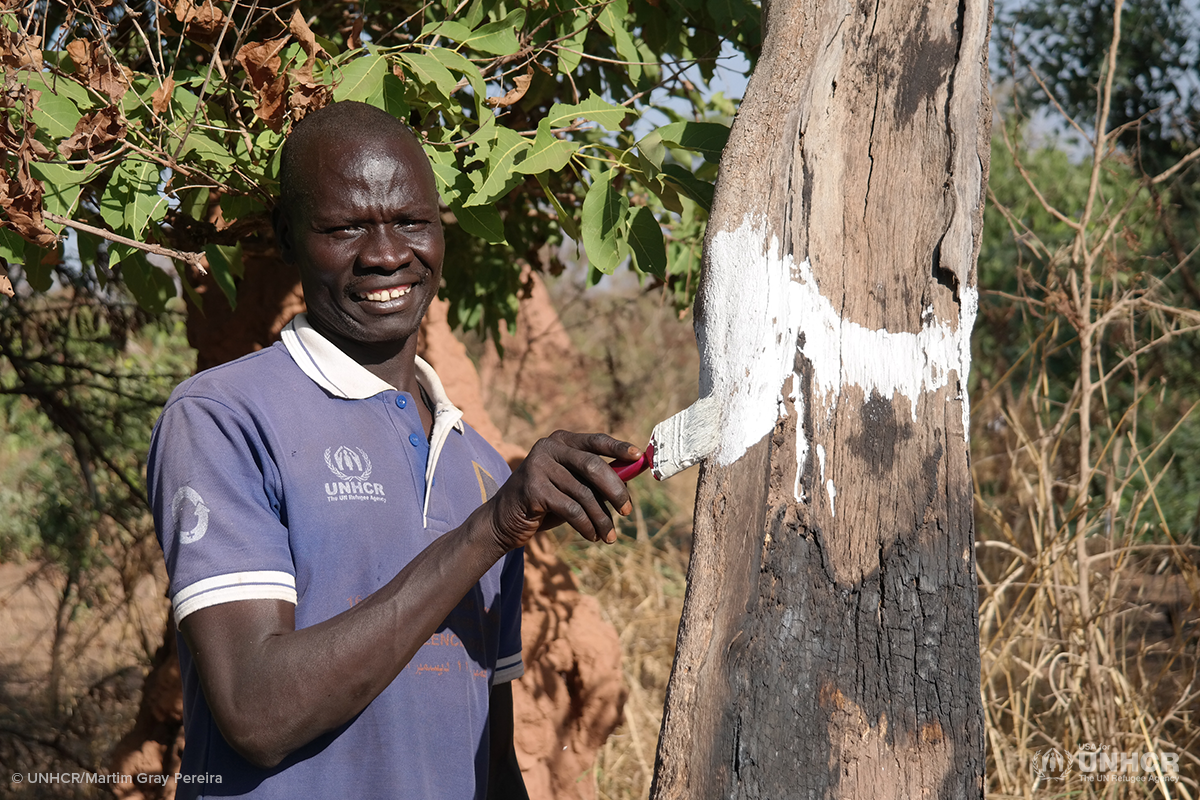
{"points": [[827, 654]]}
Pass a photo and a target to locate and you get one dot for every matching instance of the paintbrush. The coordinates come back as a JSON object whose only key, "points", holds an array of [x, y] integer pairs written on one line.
{"points": [[677, 442]]}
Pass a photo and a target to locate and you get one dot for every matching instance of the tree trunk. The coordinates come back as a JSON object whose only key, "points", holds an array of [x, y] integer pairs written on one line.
{"points": [[829, 640]]}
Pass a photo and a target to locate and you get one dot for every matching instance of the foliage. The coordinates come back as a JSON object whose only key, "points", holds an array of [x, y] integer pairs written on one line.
{"points": [[1086, 481], [82, 379], [1059, 45], [155, 127]]}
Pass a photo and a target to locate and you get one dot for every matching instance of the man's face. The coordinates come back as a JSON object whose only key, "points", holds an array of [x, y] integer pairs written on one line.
{"points": [[368, 243]]}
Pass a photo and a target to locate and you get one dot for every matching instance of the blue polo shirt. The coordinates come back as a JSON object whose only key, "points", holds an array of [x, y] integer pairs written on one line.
{"points": [[295, 474]]}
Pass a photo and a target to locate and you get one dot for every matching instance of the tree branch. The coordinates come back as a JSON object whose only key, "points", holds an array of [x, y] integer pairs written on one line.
{"points": [[194, 259]]}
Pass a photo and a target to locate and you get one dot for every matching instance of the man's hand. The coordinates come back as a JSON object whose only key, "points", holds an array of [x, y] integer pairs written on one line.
{"points": [[565, 478]]}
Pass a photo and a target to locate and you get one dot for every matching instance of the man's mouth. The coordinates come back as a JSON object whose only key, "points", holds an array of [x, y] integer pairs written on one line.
{"points": [[383, 295]]}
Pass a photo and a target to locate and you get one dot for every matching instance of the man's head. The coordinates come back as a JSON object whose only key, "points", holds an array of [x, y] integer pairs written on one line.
{"points": [[358, 216]]}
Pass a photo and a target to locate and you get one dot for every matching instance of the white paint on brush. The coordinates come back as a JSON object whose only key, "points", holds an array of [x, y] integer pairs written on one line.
{"points": [[756, 302]]}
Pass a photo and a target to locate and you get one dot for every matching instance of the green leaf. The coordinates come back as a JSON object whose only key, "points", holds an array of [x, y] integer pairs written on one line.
{"points": [[612, 20], [39, 275], [362, 79], [150, 286], [651, 147], [143, 202], [393, 97], [459, 63], [705, 138], [565, 221], [481, 221], [63, 187], [203, 147], [55, 112], [593, 108], [692, 186], [573, 29], [666, 194], [604, 211], [194, 203], [498, 38], [646, 241], [225, 264], [548, 153], [236, 206], [12, 246], [447, 28], [501, 176], [428, 71]]}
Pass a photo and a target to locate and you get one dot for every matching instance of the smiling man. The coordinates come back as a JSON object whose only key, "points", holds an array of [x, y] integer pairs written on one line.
{"points": [[344, 552]]}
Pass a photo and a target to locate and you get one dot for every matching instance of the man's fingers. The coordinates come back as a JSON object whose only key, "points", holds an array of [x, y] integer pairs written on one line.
{"points": [[578, 505], [595, 472], [599, 443]]}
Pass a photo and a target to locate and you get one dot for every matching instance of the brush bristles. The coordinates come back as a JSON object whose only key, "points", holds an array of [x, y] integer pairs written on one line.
{"points": [[686, 438]]}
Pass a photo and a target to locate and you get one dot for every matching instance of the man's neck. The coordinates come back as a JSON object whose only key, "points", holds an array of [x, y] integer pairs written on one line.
{"points": [[392, 362]]}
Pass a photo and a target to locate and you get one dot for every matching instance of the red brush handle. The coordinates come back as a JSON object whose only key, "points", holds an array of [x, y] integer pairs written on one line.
{"points": [[631, 469]]}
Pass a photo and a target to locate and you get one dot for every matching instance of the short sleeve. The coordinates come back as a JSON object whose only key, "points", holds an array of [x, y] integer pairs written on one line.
{"points": [[215, 495], [509, 665]]}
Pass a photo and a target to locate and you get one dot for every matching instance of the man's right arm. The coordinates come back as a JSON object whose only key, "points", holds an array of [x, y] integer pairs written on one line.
{"points": [[272, 688]]}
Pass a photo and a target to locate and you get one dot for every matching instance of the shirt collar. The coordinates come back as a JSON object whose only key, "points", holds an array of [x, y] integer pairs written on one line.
{"points": [[342, 376]]}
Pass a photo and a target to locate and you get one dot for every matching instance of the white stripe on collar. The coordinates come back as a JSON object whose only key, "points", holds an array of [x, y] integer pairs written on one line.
{"points": [[342, 376]]}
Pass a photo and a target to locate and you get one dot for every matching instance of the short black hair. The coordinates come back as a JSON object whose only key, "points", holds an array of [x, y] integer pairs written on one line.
{"points": [[346, 121]]}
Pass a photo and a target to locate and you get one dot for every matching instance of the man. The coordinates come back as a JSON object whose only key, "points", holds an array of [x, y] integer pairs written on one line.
{"points": [[344, 553]]}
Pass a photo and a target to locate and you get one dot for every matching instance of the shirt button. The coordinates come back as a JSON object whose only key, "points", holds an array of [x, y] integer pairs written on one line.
{"points": [[401, 401], [413, 439]]}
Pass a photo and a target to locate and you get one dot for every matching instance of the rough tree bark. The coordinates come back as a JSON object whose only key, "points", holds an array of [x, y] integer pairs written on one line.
{"points": [[829, 640]]}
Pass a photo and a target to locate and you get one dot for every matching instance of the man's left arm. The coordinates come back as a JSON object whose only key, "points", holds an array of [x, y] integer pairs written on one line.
{"points": [[504, 774]]}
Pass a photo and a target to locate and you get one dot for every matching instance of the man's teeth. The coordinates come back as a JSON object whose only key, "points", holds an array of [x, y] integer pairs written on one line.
{"points": [[388, 294]]}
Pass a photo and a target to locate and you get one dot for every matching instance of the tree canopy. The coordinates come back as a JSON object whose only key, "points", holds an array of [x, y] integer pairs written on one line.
{"points": [[134, 129]]}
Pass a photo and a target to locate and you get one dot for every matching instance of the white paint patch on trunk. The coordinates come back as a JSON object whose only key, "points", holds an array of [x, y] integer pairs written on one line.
{"points": [[829, 487], [821, 458], [747, 342], [756, 302], [846, 353]]}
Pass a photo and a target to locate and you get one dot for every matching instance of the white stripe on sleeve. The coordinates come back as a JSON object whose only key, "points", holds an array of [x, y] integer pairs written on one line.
{"points": [[256, 585]]}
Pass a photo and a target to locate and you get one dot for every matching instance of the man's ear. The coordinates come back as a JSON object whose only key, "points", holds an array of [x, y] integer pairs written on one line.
{"points": [[282, 223]]}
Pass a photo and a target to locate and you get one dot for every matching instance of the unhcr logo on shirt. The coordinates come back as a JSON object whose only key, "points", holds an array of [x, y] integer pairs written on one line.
{"points": [[353, 466]]}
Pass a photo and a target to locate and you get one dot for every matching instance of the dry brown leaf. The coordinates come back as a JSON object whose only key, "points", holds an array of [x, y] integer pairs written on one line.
{"points": [[308, 97], [102, 74], [160, 101], [262, 63], [18, 51], [94, 133], [305, 37], [354, 40], [21, 202], [202, 23], [513, 95]]}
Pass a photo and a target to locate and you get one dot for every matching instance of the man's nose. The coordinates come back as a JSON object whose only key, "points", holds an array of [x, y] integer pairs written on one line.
{"points": [[384, 248]]}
